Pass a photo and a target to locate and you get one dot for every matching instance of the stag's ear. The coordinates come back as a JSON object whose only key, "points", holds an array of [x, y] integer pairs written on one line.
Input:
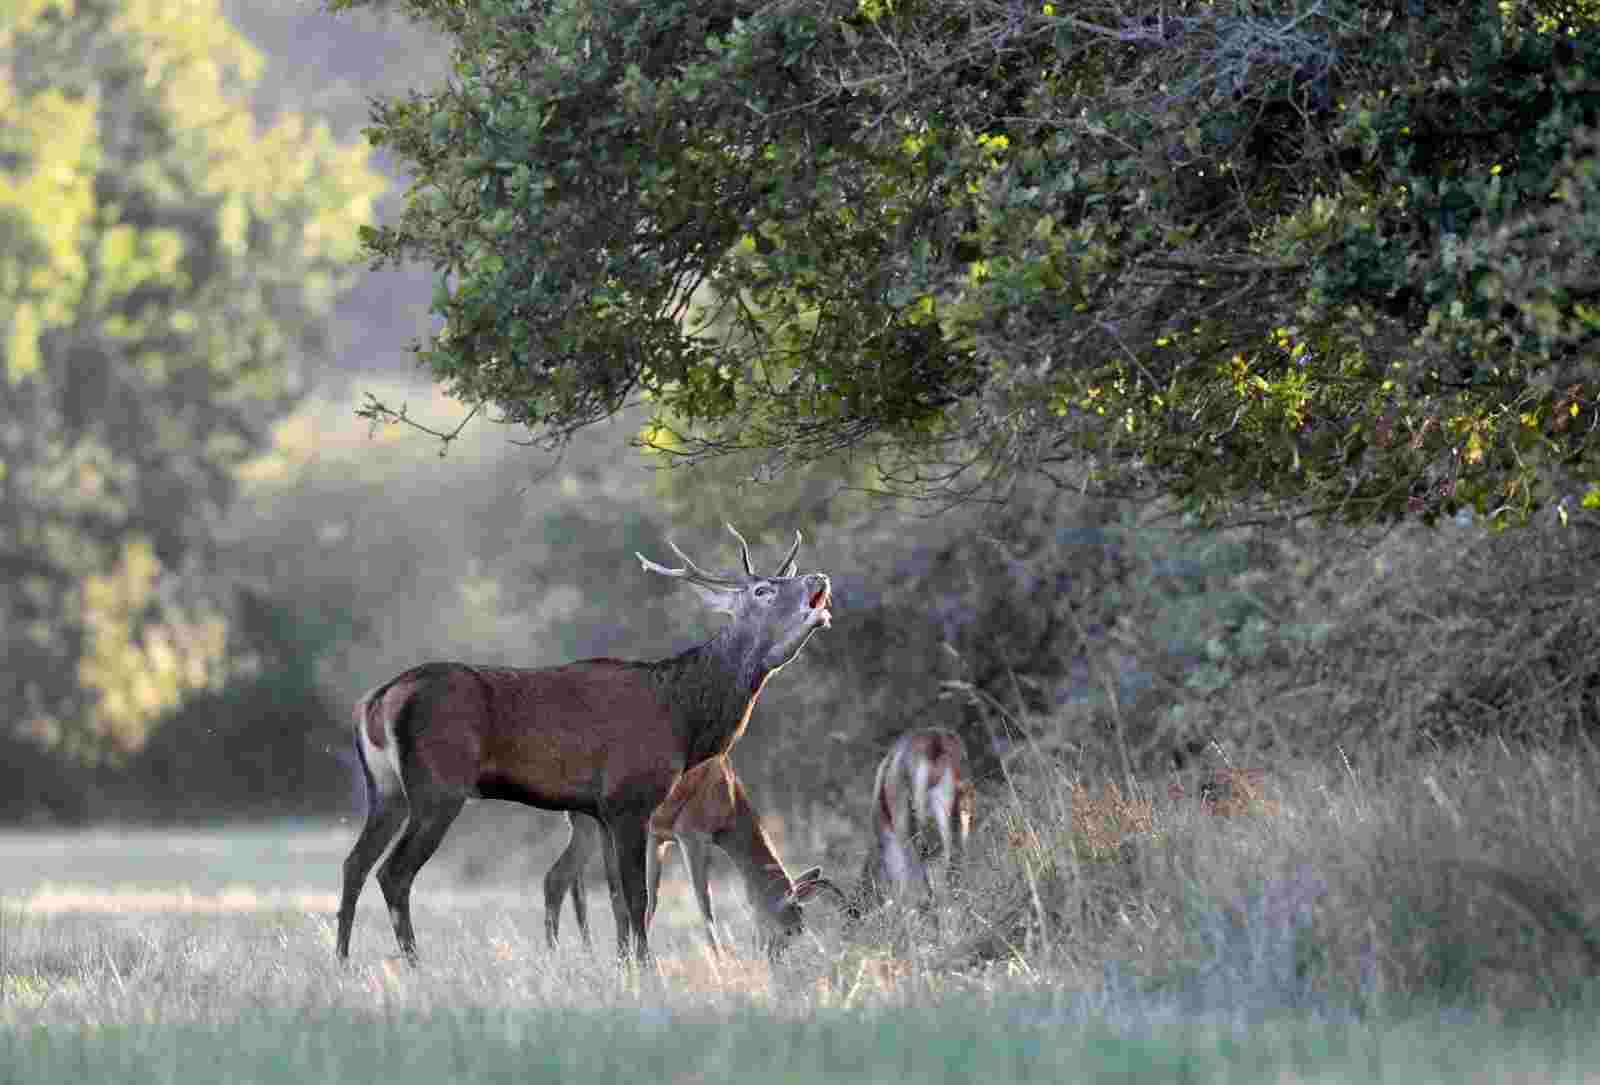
{"points": [[807, 885], [812, 882], [721, 600]]}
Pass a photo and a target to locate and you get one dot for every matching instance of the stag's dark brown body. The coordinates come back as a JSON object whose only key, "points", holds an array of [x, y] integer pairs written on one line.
{"points": [[575, 737], [604, 737]]}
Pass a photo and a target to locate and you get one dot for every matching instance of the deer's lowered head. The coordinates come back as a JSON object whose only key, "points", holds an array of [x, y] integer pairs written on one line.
{"points": [[776, 900], [781, 918]]}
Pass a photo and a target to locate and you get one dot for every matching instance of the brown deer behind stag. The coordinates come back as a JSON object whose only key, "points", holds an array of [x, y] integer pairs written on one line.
{"points": [[708, 807]]}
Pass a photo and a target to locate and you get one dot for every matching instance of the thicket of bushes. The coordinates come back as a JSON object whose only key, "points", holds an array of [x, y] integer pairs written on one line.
{"points": [[1240, 774], [1114, 638]]}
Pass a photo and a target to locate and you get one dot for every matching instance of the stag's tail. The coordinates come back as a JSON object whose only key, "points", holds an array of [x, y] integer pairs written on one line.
{"points": [[375, 738], [359, 738]]}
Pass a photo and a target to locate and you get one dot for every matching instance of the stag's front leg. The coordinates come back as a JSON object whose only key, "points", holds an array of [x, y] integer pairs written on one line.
{"points": [[626, 858]]}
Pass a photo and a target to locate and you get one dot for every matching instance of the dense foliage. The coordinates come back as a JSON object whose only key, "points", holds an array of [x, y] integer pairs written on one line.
{"points": [[165, 267], [1332, 254]]}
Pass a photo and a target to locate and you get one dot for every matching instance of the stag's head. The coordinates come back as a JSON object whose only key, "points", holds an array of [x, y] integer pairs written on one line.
{"points": [[780, 612]]}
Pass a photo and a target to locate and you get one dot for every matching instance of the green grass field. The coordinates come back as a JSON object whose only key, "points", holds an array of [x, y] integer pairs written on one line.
{"points": [[207, 956]]}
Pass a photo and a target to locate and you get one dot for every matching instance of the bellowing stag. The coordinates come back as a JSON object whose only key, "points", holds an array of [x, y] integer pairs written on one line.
{"points": [[606, 738]]}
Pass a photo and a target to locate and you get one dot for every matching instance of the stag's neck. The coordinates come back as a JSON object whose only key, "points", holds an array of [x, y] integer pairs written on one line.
{"points": [[712, 689]]}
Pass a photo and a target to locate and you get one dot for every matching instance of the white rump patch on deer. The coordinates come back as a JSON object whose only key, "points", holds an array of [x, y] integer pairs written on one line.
{"points": [[920, 780]]}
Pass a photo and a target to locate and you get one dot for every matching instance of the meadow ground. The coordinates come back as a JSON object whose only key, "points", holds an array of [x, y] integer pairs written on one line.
{"points": [[207, 955]]}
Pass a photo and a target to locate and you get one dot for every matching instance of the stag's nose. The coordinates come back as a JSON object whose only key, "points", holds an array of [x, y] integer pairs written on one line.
{"points": [[819, 589]]}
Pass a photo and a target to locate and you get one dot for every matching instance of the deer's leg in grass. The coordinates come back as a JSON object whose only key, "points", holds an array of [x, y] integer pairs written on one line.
{"points": [[697, 858], [625, 858], [430, 818], [655, 859], [619, 907], [385, 815], [565, 877], [942, 806]]}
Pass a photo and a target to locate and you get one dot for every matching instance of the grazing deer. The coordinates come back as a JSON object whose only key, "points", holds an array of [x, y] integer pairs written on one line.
{"points": [[608, 738], [922, 778], [709, 806]]}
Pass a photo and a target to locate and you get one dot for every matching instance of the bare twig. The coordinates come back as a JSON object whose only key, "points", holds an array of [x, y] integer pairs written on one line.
{"points": [[379, 414]]}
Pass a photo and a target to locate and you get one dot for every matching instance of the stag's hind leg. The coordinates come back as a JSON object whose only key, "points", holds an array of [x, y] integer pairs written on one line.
{"points": [[430, 818], [566, 877], [386, 811]]}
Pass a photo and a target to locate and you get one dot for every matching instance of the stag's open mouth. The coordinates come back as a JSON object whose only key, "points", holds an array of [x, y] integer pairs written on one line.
{"points": [[820, 603]]}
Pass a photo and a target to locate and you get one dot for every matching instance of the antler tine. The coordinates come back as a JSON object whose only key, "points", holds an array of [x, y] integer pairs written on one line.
{"points": [[787, 566], [744, 550], [697, 572], [691, 571], [653, 567]]}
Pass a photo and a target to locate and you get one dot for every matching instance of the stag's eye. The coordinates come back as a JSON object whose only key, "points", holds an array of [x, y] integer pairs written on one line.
{"points": [[764, 591]]}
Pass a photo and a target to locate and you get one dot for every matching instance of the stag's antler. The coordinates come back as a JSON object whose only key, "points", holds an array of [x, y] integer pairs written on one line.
{"points": [[697, 575], [744, 550], [690, 571], [787, 566]]}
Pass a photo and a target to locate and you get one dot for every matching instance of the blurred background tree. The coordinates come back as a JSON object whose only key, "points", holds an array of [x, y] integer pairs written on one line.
{"points": [[167, 266]]}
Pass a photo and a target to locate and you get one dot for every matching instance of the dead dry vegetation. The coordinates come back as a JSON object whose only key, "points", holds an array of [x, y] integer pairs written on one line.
{"points": [[1307, 888]]}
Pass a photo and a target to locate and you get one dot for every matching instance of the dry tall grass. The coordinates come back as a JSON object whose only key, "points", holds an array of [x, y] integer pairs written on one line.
{"points": [[1461, 879], [1464, 881]]}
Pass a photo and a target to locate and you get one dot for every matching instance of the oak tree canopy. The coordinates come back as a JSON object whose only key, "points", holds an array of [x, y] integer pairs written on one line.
{"points": [[1320, 255]]}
